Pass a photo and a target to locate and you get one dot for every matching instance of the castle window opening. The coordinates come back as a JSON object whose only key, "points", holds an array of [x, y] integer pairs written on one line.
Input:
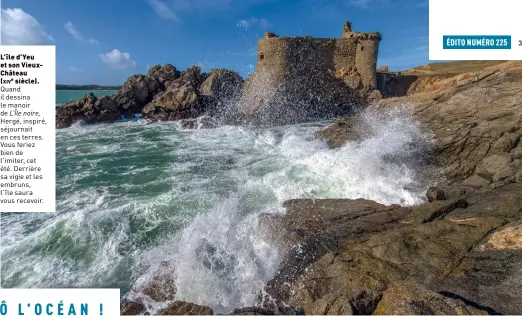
{"points": [[261, 56], [362, 48]]}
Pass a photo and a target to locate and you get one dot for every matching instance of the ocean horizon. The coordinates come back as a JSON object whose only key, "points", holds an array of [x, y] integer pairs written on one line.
{"points": [[64, 96]]}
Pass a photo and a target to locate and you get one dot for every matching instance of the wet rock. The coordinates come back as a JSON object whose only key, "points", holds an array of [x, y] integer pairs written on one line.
{"points": [[130, 308], [90, 109], [404, 298], [203, 122], [182, 99], [222, 84], [162, 286], [434, 194], [345, 254], [155, 287], [184, 308], [297, 96], [344, 130], [225, 88], [312, 228], [375, 96], [445, 191], [464, 137], [139, 90], [188, 124]]}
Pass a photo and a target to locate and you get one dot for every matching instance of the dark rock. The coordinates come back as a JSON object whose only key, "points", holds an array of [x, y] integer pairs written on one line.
{"points": [[139, 90], [158, 286], [445, 191], [188, 124], [182, 99], [374, 96], [90, 109], [222, 84], [203, 122], [192, 76], [297, 97], [184, 308], [252, 311], [434, 194], [130, 308], [344, 130], [225, 87], [162, 286], [343, 255], [435, 210], [312, 228]]}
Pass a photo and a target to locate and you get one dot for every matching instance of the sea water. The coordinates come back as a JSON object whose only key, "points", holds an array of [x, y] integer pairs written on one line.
{"points": [[64, 96], [131, 195]]}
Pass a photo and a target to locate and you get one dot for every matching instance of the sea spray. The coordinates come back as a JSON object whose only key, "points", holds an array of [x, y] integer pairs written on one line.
{"points": [[223, 260], [131, 196]]}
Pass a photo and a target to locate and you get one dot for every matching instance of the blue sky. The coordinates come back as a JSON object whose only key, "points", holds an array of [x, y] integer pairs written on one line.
{"points": [[104, 42]]}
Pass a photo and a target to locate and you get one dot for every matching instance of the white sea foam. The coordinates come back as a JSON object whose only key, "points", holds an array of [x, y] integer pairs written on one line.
{"points": [[222, 259], [131, 196]]}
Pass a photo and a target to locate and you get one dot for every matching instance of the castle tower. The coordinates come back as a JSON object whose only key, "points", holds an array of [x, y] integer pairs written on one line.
{"points": [[299, 77], [366, 54], [347, 29]]}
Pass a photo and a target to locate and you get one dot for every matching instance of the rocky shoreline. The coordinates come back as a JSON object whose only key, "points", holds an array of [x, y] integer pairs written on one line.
{"points": [[460, 252], [163, 94]]}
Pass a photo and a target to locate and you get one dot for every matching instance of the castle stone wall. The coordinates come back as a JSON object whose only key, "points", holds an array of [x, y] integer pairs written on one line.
{"points": [[366, 61], [312, 75], [344, 54], [296, 56]]}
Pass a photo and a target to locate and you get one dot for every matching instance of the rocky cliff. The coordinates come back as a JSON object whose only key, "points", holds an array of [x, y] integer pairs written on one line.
{"points": [[164, 93], [460, 252]]}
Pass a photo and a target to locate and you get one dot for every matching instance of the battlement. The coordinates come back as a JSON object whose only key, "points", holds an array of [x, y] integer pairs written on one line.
{"points": [[348, 33], [363, 36], [308, 63], [281, 55], [269, 35]]}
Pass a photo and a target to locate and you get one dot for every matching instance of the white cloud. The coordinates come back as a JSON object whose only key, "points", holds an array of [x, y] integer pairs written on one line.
{"points": [[252, 22], [162, 10], [20, 28], [71, 29], [173, 9], [118, 60]]}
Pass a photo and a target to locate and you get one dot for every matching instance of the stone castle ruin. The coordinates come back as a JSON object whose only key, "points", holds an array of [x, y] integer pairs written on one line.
{"points": [[303, 78]]}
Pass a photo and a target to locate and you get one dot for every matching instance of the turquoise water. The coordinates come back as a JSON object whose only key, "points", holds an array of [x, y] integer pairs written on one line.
{"points": [[64, 96], [133, 195]]}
